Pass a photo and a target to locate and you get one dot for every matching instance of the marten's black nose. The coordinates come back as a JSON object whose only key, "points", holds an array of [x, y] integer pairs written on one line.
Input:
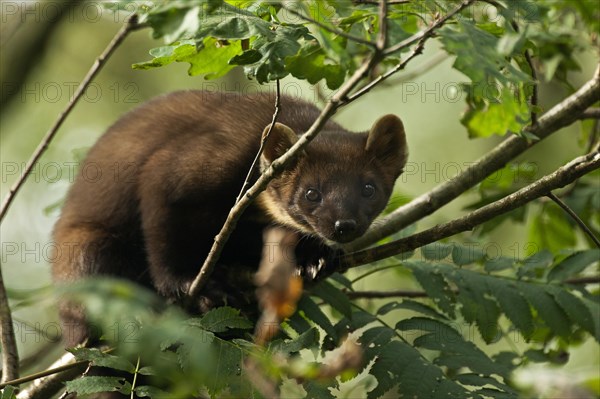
{"points": [[345, 227]]}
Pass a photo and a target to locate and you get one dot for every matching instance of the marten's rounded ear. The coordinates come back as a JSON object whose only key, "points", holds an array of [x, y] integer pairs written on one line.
{"points": [[387, 141], [279, 141]]}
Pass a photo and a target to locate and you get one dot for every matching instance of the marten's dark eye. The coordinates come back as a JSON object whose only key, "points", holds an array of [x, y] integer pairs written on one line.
{"points": [[368, 190], [313, 195]]}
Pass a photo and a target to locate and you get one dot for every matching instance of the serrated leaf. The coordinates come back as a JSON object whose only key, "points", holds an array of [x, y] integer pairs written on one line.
{"points": [[514, 306], [146, 391], [594, 309], [536, 264], [333, 297], [311, 63], [455, 350], [547, 308], [573, 307], [466, 254], [316, 389], [573, 264], [92, 384], [315, 314], [552, 229], [305, 340], [498, 264], [436, 250], [226, 365], [435, 285], [98, 358], [224, 318]]}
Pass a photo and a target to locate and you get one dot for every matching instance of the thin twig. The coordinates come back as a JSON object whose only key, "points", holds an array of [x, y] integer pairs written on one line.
{"points": [[10, 355], [328, 28], [561, 177], [382, 35], [561, 115], [534, 94], [263, 140], [576, 218], [429, 31], [590, 113], [583, 280], [129, 26], [51, 371], [135, 374]]}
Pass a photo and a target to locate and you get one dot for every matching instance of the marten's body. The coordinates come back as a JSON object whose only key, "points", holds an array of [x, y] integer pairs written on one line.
{"points": [[156, 188]]}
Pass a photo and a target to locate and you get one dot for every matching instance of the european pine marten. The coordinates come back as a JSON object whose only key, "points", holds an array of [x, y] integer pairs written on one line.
{"points": [[157, 186]]}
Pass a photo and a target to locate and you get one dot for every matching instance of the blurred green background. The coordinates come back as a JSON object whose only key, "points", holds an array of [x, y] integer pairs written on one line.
{"points": [[55, 53]]}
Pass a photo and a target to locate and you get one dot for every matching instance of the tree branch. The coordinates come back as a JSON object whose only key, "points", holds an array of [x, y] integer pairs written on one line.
{"points": [[561, 115], [575, 217], [10, 356], [561, 177], [130, 25], [590, 113]]}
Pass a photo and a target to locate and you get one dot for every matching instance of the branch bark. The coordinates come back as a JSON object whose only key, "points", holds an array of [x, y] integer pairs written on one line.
{"points": [[130, 25], [10, 356], [561, 177], [561, 115]]}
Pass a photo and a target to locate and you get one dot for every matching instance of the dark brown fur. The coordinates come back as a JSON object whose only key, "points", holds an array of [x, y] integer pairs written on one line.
{"points": [[157, 187]]}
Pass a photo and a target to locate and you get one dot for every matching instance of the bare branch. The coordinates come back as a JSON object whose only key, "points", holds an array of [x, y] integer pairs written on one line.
{"points": [[10, 356], [561, 177], [130, 25], [382, 35], [590, 113], [561, 115], [328, 28], [576, 218]]}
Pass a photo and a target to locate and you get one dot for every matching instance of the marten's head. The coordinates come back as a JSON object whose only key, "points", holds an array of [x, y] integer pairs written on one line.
{"points": [[340, 183]]}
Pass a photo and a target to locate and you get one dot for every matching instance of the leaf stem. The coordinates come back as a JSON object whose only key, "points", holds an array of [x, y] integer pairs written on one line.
{"points": [[575, 217]]}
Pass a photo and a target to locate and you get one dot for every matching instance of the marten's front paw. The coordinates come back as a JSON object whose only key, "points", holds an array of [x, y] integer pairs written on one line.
{"points": [[317, 262]]}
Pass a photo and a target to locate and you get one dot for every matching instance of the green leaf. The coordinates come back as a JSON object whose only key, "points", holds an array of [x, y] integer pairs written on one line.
{"points": [[513, 305], [222, 319], [8, 392], [466, 254], [313, 313], [502, 113], [551, 229], [91, 384], [536, 264], [410, 305], [435, 286], [455, 350], [212, 60], [498, 264], [333, 297], [312, 64], [476, 54], [573, 307], [547, 308], [98, 358], [436, 250], [573, 264], [146, 391], [307, 339]]}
